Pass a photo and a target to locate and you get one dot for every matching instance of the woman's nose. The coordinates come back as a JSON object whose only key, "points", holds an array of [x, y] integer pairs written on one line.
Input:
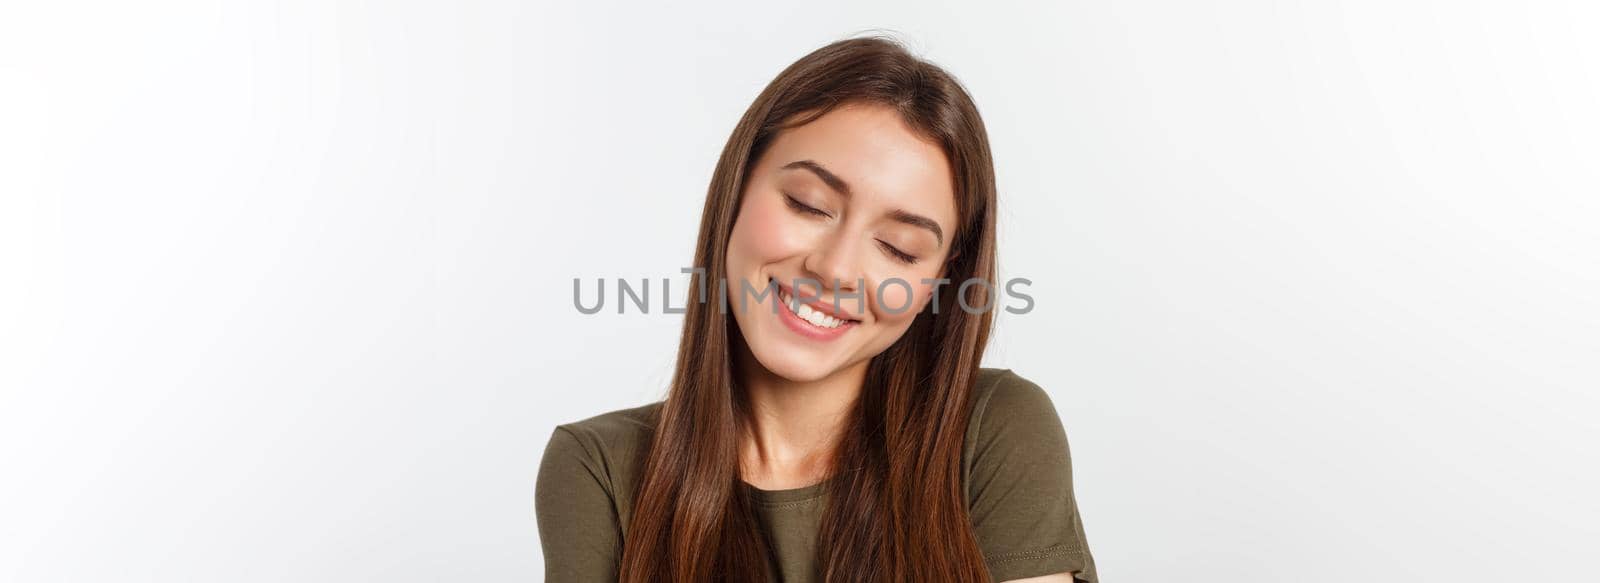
{"points": [[836, 264]]}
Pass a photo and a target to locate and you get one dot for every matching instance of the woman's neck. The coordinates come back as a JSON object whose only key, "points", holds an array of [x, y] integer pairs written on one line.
{"points": [[794, 427]]}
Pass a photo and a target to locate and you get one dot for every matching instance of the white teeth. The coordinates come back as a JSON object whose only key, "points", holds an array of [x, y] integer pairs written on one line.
{"points": [[817, 318], [809, 314]]}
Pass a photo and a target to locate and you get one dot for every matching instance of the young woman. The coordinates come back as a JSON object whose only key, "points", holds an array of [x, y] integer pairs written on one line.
{"points": [[828, 420]]}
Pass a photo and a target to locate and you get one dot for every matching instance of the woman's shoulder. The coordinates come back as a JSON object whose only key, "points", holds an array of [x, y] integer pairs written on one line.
{"points": [[1012, 418], [612, 433], [604, 450], [591, 468], [1002, 393]]}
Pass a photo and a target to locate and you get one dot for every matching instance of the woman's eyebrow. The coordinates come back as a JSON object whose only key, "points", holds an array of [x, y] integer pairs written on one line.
{"points": [[917, 220], [833, 181], [839, 185]]}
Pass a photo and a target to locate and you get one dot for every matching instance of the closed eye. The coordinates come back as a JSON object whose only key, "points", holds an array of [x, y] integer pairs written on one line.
{"points": [[897, 254], [801, 207]]}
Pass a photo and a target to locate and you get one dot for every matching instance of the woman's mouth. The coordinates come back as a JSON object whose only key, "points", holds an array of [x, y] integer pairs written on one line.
{"points": [[808, 321]]}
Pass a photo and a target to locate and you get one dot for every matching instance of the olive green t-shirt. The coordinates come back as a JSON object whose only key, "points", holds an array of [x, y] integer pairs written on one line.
{"points": [[1015, 467]]}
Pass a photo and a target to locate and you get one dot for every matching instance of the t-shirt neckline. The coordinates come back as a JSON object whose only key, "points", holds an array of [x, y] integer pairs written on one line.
{"points": [[787, 494]]}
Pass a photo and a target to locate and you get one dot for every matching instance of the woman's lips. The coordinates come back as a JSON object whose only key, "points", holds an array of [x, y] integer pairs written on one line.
{"points": [[808, 321]]}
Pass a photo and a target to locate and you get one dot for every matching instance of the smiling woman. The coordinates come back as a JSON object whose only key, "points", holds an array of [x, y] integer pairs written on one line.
{"points": [[838, 429], [840, 200]]}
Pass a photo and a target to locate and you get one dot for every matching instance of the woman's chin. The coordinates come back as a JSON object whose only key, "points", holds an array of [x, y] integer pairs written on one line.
{"points": [[796, 368]]}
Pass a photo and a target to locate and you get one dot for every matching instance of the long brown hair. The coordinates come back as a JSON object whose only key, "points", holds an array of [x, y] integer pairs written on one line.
{"points": [[897, 510]]}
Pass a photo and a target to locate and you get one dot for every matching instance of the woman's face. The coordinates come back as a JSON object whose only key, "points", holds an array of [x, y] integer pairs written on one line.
{"points": [[851, 205]]}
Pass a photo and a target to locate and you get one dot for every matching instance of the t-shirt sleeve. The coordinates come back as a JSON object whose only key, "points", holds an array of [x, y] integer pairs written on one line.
{"points": [[1023, 510], [578, 525]]}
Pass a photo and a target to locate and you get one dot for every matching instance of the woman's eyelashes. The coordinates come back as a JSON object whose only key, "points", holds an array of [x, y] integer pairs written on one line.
{"points": [[806, 209], [897, 254]]}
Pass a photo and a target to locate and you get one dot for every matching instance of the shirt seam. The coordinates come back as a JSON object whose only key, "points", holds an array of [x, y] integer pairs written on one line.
{"points": [[1050, 551], [789, 503]]}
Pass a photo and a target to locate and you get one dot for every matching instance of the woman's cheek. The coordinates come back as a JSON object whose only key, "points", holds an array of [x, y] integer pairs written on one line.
{"points": [[897, 302], [775, 234], [763, 233]]}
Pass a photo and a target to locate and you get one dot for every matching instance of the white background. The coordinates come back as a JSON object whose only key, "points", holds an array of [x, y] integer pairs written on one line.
{"points": [[287, 290]]}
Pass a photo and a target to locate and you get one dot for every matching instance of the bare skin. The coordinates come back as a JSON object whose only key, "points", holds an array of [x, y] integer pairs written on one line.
{"points": [[796, 427]]}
